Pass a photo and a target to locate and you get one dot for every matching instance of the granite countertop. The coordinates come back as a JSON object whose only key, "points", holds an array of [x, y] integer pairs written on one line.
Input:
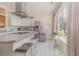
{"points": [[13, 37]]}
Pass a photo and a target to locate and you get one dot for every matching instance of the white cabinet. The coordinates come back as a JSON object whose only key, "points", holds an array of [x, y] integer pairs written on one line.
{"points": [[27, 22], [23, 22], [14, 20], [17, 21]]}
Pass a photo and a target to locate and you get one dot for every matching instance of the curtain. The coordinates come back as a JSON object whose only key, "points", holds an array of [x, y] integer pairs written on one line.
{"points": [[73, 29]]}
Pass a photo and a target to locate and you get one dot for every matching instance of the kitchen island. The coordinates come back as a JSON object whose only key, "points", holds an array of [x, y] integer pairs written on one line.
{"points": [[11, 41]]}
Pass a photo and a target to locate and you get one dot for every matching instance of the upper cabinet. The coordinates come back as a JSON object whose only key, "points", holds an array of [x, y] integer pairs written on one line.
{"points": [[14, 20], [17, 21]]}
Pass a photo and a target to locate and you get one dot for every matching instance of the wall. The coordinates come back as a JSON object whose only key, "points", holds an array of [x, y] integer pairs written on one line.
{"points": [[42, 11], [8, 6], [38, 9], [46, 25]]}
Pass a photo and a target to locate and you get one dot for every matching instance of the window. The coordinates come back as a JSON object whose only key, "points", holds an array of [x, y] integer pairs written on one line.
{"points": [[61, 21]]}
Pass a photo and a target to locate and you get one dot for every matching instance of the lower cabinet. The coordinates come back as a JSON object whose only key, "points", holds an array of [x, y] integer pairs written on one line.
{"points": [[32, 50]]}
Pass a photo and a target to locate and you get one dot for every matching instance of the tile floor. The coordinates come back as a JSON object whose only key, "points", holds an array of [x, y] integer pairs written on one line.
{"points": [[42, 49], [45, 49]]}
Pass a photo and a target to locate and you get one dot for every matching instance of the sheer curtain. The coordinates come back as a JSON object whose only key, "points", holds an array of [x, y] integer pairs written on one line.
{"points": [[73, 29]]}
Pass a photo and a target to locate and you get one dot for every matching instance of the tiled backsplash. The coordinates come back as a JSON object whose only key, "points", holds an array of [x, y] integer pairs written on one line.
{"points": [[22, 28]]}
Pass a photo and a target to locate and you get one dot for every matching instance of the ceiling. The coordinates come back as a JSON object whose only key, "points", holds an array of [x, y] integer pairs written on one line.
{"points": [[36, 9], [39, 9]]}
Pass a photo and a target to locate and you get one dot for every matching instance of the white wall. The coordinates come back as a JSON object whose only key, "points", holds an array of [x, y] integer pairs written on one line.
{"points": [[38, 9], [43, 13], [46, 25]]}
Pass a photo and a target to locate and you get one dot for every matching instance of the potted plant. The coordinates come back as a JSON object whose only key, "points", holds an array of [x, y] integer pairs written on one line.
{"points": [[55, 34]]}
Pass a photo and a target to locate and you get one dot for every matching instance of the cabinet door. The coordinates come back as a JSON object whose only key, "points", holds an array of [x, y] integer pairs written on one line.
{"points": [[18, 20], [23, 22], [15, 21], [26, 22]]}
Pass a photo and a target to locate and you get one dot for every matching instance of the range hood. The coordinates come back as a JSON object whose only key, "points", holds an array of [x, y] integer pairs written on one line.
{"points": [[19, 10]]}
